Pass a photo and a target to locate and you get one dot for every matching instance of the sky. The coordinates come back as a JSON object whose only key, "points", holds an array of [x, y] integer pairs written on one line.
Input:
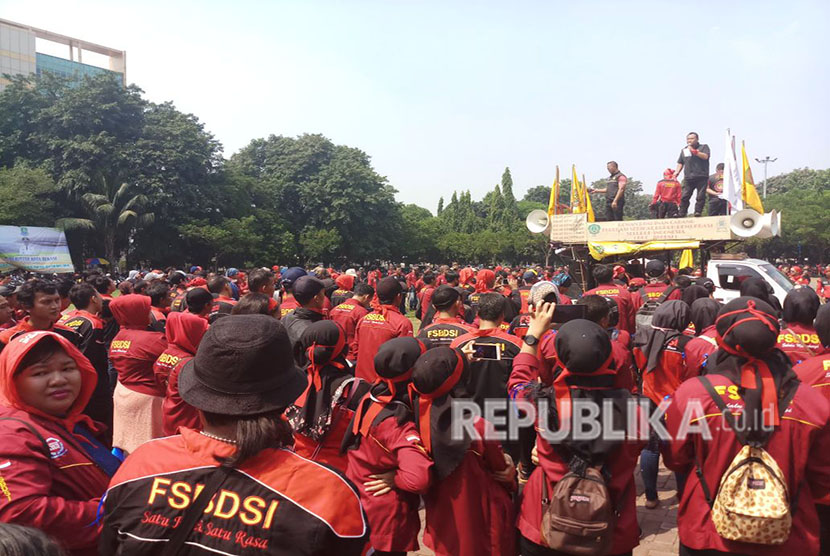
{"points": [[444, 95]]}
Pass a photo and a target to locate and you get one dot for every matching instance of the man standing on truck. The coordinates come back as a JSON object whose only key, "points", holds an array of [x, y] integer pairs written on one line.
{"points": [[694, 161], [614, 192]]}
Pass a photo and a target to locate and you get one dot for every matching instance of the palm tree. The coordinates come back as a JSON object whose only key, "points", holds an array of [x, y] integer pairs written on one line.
{"points": [[112, 211]]}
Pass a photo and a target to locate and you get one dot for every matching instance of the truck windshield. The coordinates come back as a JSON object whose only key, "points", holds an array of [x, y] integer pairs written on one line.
{"points": [[779, 278]]}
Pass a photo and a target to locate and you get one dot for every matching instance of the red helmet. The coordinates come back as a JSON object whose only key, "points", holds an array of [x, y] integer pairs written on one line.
{"points": [[796, 270]]}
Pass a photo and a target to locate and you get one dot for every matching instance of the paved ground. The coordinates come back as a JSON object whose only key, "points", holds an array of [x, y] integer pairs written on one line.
{"points": [[658, 526]]}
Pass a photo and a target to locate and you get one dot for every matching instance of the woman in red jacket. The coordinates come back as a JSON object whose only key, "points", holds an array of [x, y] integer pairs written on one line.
{"points": [[585, 352], [798, 338], [756, 381], [53, 468], [386, 455], [138, 397], [469, 510], [184, 331], [321, 415]]}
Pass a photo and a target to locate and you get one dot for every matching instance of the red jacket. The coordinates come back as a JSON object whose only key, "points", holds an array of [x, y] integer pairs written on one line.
{"points": [[698, 350], [393, 517], [624, 301], [134, 350], [800, 446], [799, 342], [668, 191], [670, 373], [374, 329], [327, 449], [275, 502], [184, 332], [469, 512], [288, 305], [425, 298], [348, 314], [54, 487], [551, 468], [652, 292], [815, 372]]}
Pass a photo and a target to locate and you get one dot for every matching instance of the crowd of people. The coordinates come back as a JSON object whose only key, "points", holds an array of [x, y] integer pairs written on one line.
{"points": [[301, 411]]}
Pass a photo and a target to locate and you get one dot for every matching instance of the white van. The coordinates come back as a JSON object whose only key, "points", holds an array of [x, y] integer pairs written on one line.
{"points": [[727, 271]]}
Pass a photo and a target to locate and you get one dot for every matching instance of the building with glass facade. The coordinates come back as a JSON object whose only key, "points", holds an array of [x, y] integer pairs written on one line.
{"points": [[20, 54]]}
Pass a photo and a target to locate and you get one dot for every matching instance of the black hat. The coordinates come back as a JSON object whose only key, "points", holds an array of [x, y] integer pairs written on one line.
{"points": [[388, 288], [655, 268], [444, 297], [306, 287], [582, 346], [244, 366]]}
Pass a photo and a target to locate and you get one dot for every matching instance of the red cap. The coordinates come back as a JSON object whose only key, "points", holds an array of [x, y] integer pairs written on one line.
{"points": [[668, 173]]}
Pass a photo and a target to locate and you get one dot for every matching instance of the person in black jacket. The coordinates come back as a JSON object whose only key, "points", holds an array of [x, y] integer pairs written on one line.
{"points": [[310, 293]]}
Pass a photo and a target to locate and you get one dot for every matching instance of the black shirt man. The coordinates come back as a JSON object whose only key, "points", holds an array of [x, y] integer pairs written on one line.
{"points": [[694, 161], [614, 192]]}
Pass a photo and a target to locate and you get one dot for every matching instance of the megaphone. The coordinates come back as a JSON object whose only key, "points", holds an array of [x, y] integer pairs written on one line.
{"points": [[769, 225], [746, 223], [537, 221]]}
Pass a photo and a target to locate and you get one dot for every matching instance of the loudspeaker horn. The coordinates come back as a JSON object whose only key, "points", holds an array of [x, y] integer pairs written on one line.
{"points": [[746, 223], [537, 221], [769, 225]]}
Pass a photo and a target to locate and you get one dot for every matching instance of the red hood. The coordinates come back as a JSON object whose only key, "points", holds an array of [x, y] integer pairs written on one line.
{"points": [[14, 353], [485, 280], [185, 331], [345, 282], [131, 311]]}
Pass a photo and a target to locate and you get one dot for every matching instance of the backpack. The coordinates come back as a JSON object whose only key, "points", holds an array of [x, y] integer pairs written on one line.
{"points": [[752, 504], [645, 314], [579, 518]]}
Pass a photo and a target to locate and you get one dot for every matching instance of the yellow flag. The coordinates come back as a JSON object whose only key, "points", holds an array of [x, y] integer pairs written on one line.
{"points": [[748, 192], [588, 207], [577, 194], [687, 259], [554, 195]]}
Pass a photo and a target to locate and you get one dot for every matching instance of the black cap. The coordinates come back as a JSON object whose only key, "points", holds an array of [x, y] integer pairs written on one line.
{"points": [[445, 297], [306, 287], [655, 268], [388, 288], [244, 366]]}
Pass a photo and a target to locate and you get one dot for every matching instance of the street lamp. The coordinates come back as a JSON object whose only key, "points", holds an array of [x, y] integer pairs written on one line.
{"points": [[765, 162]]}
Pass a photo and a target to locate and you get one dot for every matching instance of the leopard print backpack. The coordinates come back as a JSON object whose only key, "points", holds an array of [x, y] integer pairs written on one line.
{"points": [[752, 504]]}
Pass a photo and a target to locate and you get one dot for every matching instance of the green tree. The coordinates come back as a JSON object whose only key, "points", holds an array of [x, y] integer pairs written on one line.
{"points": [[26, 197], [313, 183], [230, 242], [113, 211], [440, 206]]}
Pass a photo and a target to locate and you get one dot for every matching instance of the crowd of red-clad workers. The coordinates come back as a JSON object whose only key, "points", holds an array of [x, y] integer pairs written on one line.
{"points": [[286, 411]]}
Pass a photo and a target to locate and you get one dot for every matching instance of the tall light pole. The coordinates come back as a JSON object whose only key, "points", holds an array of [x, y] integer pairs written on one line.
{"points": [[765, 162]]}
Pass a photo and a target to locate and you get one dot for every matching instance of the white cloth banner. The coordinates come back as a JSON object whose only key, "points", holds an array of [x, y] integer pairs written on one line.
{"points": [[36, 249], [731, 176]]}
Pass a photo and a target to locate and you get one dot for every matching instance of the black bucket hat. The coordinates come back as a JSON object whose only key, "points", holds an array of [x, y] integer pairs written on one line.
{"points": [[244, 366]]}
